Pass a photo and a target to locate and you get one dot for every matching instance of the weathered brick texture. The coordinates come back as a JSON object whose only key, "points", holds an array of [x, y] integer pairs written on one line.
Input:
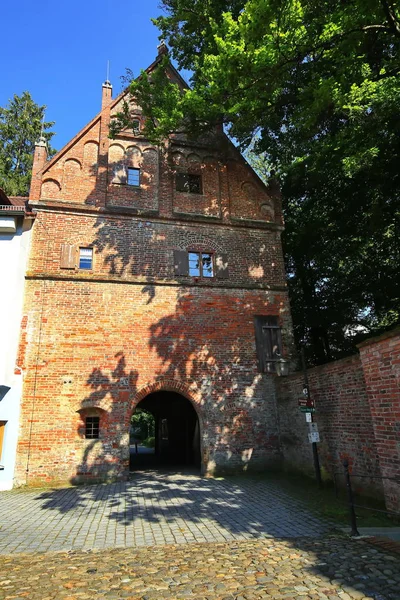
{"points": [[96, 342], [358, 416], [343, 418], [102, 344], [380, 360]]}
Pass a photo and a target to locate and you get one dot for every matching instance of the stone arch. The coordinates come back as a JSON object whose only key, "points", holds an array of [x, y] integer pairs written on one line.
{"points": [[201, 242], [133, 151], [90, 153], [72, 166], [179, 159], [249, 189], [170, 385], [150, 166], [171, 392], [116, 152], [50, 188], [194, 159], [133, 157], [267, 211], [150, 152]]}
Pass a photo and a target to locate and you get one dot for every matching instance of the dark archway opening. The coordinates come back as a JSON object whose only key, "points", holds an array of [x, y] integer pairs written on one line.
{"points": [[176, 433]]}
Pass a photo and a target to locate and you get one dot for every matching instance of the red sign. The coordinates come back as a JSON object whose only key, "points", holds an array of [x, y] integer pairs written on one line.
{"points": [[307, 402]]}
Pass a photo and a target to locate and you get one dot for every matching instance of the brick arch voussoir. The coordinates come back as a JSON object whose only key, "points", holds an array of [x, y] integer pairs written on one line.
{"points": [[169, 385]]}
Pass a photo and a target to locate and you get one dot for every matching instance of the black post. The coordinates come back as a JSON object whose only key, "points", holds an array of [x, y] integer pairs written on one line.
{"points": [[317, 467], [352, 512], [316, 464]]}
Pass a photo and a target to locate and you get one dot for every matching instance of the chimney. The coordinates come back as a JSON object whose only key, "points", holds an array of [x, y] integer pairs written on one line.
{"points": [[40, 155], [162, 48], [106, 95], [39, 161]]}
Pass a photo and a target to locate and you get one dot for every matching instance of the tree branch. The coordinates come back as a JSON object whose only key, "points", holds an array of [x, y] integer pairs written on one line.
{"points": [[394, 24]]}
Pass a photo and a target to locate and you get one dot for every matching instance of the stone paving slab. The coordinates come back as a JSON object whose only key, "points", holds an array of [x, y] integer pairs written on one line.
{"points": [[151, 509], [332, 568]]}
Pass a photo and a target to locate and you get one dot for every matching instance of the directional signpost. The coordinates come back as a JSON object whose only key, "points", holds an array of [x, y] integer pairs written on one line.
{"points": [[306, 405]]}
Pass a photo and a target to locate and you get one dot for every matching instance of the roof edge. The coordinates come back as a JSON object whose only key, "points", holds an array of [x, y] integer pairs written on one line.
{"points": [[112, 105], [72, 141]]}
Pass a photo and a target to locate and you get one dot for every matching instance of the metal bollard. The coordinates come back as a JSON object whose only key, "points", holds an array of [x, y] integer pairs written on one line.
{"points": [[352, 512]]}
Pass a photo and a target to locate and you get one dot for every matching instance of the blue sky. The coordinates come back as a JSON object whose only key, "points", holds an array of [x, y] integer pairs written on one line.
{"points": [[58, 51]]}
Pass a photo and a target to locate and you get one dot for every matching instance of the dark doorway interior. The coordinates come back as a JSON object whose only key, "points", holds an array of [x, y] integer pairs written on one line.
{"points": [[177, 433]]}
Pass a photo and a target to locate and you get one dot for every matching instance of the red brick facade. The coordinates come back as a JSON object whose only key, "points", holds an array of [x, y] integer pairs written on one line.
{"points": [[343, 417], [380, 360], [99, 341]]}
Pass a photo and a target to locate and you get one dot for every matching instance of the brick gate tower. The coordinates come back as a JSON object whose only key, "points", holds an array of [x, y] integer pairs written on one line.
{"points": [[155, 277]]}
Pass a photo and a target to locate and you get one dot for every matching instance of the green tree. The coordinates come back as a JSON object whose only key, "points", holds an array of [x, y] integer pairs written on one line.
{"points": [[142, 423], [315, 87], [21, 125]]}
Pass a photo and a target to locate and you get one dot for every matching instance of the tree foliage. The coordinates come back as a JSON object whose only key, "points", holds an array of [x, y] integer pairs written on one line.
{"points": [[315, 87], [21, 125], [142, 423]]}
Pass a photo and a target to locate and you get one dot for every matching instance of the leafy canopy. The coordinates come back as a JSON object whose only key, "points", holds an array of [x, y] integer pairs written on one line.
{"points": [[314, 88], [279, 70], [21, 125]]}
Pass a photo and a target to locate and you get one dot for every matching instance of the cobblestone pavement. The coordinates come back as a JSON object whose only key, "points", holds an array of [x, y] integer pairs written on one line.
{"points": [[151, 509], [332, 568]]}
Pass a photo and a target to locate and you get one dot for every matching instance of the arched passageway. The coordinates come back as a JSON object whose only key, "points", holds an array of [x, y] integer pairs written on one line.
{"points": [[176, 433]]}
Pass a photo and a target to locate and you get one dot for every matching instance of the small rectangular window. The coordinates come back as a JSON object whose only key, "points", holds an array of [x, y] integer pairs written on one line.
{"points": [[201, 264], [207, 265], [92, 427], [194, 264], [188, 182], [85, 258], [134, 177], [268, 342], [136, 126]]}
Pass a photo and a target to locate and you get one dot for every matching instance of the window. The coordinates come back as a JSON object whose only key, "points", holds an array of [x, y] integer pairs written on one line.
{"points": [[85, 258], [201, 264], [136, 126], [187, 182], [92, 425], [134, 177], [268, 343], [2, 430]]}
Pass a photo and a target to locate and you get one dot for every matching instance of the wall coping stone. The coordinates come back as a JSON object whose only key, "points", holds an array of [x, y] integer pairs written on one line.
{"points": [[380, 338]]}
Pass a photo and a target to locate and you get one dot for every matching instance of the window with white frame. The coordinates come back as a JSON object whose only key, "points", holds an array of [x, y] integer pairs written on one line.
{"points": [[85, 258]]}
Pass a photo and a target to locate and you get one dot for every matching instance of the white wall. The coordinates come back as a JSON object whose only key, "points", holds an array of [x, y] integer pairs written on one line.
{"points": [[13, 258]]}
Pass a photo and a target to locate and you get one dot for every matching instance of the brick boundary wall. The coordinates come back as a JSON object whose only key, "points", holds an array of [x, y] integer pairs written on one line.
{"points": [[343, 418], [358, 416], [380, 358]]}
